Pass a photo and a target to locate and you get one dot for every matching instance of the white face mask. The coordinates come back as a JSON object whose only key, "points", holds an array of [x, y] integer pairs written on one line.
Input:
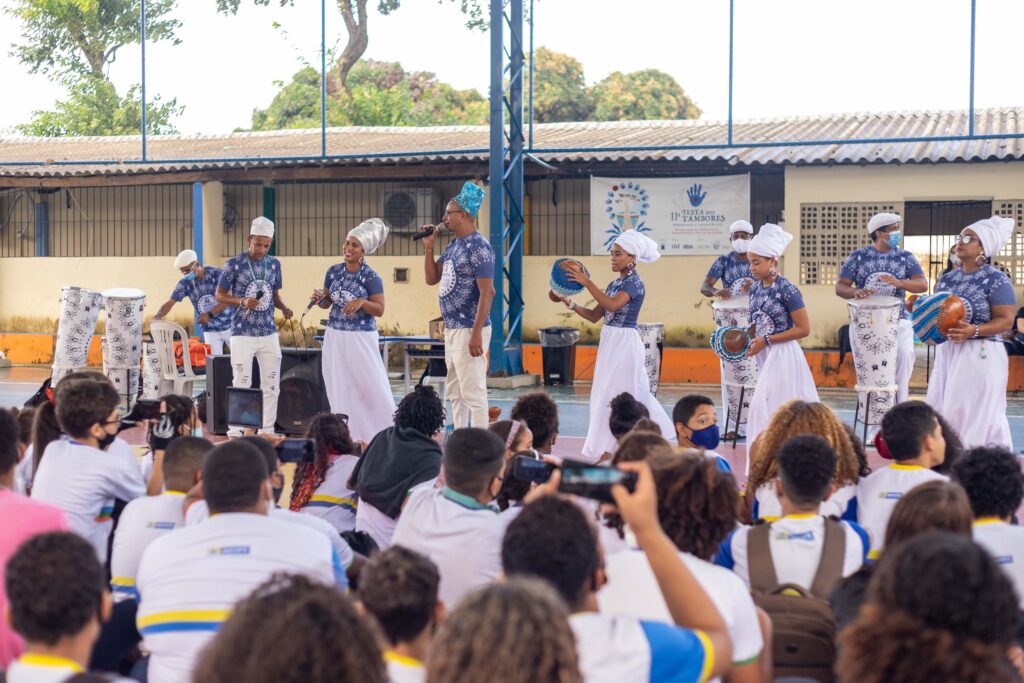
{"points": [[740, 246]]}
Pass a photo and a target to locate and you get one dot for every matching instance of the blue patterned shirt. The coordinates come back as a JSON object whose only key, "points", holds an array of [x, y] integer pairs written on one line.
{"points": [[729, 268], [343, 286], [980, 291], [463, 261], [245, 277], [630, 311], [771, 308], [864, 266], [203, 295]]}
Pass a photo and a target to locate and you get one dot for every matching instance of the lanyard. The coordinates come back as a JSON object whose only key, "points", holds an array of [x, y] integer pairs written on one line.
{"points": [[263, 270]]}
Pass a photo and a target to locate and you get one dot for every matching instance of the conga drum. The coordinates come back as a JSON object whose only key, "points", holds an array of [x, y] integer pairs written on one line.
{"points": [[79, 311], [653, 337], [122, 350], [739, 376], [874, 329]]}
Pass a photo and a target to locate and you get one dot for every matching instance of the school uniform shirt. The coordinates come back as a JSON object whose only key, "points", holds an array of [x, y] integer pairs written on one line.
{"points": [[771, 308], [730, 269], [866, 265], [842, 503], [986, 287], [613, 649], [343, 286], [203, 295], [463, 261], [333, 501], [627, 315], [39, 668], [632, 590], [1006, 544], [720, 462], [796, 542], [404, 669], [459, 534], [84, 482], [142, 521], [190, 580], [381, 528], [878, 493], [244, 277]]}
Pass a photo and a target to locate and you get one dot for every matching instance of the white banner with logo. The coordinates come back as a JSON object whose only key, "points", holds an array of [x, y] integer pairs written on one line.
{"points": [[685, 216]]}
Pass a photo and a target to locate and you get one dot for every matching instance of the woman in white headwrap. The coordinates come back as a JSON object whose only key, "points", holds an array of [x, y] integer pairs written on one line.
{"points": [[354, 374], [620, 354], [779, 318], [968, 382]]}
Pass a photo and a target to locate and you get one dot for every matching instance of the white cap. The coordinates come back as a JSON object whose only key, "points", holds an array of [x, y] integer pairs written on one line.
{"points": [[262, 227], [741, 226], [185, 258], [883, 220]]}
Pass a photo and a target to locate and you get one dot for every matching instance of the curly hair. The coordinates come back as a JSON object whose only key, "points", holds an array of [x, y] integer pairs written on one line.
{"points": [[399, 588], [916, 629], [992, 479], [646, 424], [638, 445], [540, 413], [516, 632], [801, 417], [698, 504], [625, 411], [421, 410], [330, 436], [339, 646], [859, 451], [932, 506], [954, 446]]}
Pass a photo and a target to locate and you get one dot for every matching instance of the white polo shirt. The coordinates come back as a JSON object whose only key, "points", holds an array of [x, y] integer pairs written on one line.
{"points": [[37, 668], [632, 590], [878, 493], [84, 482], [142, 521], [796, 543], [768, 507], [404, 669], [1005, 542], [333, 501], [618, 649], [379, 526], [461, 536], [190, 580]]}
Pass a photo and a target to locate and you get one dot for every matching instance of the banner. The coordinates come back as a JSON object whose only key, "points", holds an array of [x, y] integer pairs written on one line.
{"points": [[685, 216]]}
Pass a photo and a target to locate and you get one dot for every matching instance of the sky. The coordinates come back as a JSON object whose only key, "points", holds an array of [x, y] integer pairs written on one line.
{"points": [[792, 57]]}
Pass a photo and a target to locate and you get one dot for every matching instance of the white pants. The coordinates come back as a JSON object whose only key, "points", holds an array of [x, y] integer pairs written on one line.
{"points": [[216, 341], [466, 384], [905, 359], [357, 383], [267, 352], [968, 388]]}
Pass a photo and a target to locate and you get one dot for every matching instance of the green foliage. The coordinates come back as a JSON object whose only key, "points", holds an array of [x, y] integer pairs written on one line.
{"points": [[641, 96], [559, 88]]}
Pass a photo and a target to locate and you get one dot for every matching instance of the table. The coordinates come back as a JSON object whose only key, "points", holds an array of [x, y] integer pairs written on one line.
{"points": [[417, 351]]}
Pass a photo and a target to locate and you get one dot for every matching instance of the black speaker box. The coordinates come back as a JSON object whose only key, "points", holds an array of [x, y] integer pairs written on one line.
{"points": [[218, 378]]}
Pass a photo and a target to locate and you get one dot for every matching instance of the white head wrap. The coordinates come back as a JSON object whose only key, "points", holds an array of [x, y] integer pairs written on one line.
{"points": [[185, 258], [770, 241], [883, 220], [262, 227], [994, 233], [371, 233], [741, 226], [639, 245]]}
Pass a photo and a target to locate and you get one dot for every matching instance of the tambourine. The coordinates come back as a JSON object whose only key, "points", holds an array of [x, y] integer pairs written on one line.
{"points": [[935, 315], [560, 282], [730, 343]]}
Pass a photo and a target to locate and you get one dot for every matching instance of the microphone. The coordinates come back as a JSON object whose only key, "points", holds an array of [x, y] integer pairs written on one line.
{"points": [[426, 231], [312, 302]]}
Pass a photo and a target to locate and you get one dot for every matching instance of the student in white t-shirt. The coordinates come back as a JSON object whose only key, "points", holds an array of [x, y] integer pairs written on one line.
{"points": [[913, 437], [696, 423], [994, 484], [190, 579], [399, 588], [146, 519], [552, 539], [79, 475], [456, 526], [697, 505], [806, 467], [321, 488]]}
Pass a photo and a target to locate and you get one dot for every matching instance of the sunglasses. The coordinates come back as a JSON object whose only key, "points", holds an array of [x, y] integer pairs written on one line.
{"points": [[965, 239]]}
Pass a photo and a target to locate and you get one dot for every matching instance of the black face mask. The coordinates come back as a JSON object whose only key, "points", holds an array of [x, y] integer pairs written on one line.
{"points": [[107, 439], [276, 492]]}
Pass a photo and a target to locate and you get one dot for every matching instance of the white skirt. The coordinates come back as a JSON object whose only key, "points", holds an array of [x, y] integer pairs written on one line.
{"points": [[619, 368], [357, 383], [782, 376], [968, 388]]}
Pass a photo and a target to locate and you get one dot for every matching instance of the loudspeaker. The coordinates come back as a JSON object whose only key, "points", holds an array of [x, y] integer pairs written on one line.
{"points": [[218, 378]]}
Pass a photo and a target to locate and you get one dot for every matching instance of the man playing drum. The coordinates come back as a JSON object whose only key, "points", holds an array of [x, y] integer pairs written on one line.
{"points": [[883, 269], [732, 268]]}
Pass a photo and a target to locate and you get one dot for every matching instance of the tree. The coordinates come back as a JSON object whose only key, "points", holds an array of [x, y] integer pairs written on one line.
{"points": [[641, 96], [559, 88]]}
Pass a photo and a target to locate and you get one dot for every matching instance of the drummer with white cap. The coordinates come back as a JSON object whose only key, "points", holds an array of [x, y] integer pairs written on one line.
{"points": [[968, 382], [199, 284], [732, 269], [252, 283], [884, 269]]}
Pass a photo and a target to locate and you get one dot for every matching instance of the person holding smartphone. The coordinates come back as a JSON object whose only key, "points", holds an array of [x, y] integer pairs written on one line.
{"points": [[320, 488]]}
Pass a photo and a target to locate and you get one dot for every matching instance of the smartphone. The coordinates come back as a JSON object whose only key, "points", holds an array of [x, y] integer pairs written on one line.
{"points": [[296, 450], [593, 481], [147, 409], [245, 408], [529, 468]]}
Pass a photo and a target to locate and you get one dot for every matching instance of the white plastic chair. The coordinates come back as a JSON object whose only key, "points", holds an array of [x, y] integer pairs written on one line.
{"points": [[171, 378]]}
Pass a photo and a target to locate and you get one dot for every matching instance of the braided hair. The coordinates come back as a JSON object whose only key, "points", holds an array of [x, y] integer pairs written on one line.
{"points": [[330, 436]]}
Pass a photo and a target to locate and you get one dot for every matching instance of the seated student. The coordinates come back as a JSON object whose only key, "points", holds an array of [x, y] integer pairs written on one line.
{"points": [[398, 588], [625, 412], [58, 603], [516, 631], [797, 539], [914, 439], [398, 461], [321, 487], [178, 414], [540, 413], [995, 486], [697, 505], [552, 540], [637, 446], [78, 475], [146, 519], [518, 439], [455, 526], [696, 423], [24, 418], [190, 579], [292, 630], [22, 518]]}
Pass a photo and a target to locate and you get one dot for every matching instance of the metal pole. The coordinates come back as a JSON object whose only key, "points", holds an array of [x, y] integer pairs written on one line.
{"points": [[323, 78], [142, 31], [496, 186], [197, 237], [531, 76], [513, 362], [732, 16], [970, 113]]}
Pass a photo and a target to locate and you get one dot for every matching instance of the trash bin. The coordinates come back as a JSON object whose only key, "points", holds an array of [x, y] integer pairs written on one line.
{"points": [[558, 352]]}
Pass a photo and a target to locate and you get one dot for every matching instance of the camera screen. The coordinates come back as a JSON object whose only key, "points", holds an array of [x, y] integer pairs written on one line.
{"points": [[245, 407]]}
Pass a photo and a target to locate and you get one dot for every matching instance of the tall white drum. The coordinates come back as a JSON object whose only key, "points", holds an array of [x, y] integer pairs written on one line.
{"points": [[738, 377], [653, 337], [122, 351], [79, 311], [874, 329]]}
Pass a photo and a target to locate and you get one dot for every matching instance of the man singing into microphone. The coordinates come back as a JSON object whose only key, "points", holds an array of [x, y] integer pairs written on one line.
{"points": [[466, 273], [252, 282]]}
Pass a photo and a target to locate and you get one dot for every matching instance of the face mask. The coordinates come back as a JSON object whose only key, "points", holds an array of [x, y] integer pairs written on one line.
{"points": [[740, 246], [107, 439], [191, 276], [197, 432], [707, 438], [894, 239], [954, 259]]}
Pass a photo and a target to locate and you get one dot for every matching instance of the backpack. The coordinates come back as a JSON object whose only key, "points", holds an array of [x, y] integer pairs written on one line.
{"points": [[803, 628]]}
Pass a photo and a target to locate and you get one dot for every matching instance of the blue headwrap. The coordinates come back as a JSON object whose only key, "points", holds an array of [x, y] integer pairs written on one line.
{"points": [[470, 198]]}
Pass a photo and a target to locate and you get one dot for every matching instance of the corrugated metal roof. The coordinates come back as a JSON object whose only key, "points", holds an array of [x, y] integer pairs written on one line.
{"points": [[834, 137]]}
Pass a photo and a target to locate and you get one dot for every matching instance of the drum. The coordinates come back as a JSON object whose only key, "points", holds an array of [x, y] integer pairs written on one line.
{"points": [[738, 371], [653, 337], [934, 315], [122, 352], [560, 282], [730, 343], [79, 311], [874, 329], [150, 371]]}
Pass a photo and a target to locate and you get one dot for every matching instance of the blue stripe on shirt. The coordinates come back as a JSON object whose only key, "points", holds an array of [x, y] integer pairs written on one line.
{"points": [[677, 654]]}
